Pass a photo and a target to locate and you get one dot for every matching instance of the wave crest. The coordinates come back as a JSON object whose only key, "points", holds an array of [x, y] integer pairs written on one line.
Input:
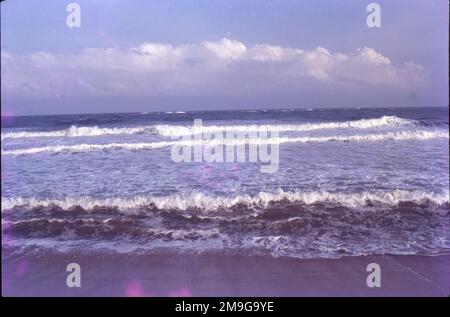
{"points": [[85, 147], [178, 130], [75, 131], [201, 201]]}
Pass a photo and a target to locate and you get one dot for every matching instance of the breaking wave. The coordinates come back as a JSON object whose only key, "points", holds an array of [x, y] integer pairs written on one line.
{"points": [[85, 147], [178, 130], [75, 131], [201, 201]]}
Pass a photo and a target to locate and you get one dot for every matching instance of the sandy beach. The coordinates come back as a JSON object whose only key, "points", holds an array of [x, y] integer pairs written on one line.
{"points": [[170, 275]]}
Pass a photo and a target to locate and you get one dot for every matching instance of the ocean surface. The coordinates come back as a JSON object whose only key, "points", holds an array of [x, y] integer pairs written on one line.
{"points": [[349, 182]]}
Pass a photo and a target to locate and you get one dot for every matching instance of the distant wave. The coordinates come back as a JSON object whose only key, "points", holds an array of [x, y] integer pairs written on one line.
{"points": [[75, 131], [178, 130], [198, 200], [389, 136]]}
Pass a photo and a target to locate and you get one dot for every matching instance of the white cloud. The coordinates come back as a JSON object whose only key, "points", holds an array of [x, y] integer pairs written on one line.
{"points": [[225, 66], [226, 48], [270, 53], [370, 56]]}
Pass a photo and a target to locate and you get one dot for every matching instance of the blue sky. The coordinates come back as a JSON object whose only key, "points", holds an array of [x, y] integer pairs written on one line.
{"points": [[139, 55]]}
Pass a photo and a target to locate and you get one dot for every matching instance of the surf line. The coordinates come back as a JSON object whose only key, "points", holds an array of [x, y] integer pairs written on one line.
{"points": [[228, 146]]}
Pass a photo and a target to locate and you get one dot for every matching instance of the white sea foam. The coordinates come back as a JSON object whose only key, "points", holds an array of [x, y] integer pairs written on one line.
{"points": [[75, 131], [198, 200], [388, 136], [179, 130], [87, 148]]}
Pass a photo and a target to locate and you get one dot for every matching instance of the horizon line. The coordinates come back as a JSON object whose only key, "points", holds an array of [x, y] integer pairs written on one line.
{"points": [[216, 110]]}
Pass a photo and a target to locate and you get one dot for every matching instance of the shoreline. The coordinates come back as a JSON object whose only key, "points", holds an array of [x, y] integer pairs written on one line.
{"points": [[185, 275]]}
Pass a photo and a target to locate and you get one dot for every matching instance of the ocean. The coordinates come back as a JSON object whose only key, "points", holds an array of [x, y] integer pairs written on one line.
{"points": [[349, 182]]}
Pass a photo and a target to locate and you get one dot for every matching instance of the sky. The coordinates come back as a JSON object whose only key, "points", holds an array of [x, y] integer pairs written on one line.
{"points": [[140, 55]]}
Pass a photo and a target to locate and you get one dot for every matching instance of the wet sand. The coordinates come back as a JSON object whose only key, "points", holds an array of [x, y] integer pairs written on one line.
{"points": [[207, 275]]}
